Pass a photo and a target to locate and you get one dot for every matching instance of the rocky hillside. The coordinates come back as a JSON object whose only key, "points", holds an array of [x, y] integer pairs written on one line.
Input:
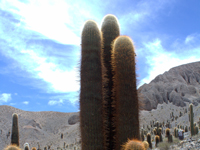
{"points": [[178, 85], [41, 129]]}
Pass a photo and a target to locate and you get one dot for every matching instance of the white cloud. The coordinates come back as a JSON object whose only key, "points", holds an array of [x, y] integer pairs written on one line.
{"points": [[26, 102], [61, 80], [54, 102], [71, 97], [5, 97], [56, 19], [161, 60]]}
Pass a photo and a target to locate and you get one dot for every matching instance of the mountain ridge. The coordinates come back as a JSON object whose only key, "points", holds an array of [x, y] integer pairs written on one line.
{"points": [[178, 85]]}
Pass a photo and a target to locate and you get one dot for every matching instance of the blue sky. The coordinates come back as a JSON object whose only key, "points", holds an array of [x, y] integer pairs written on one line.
{"points": [[40, 45]]}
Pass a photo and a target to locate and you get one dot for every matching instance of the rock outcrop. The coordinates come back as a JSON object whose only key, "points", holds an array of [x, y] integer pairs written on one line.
{"points": [[178, 85]]}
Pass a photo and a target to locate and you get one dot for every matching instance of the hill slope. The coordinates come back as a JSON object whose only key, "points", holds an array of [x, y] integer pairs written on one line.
{"points": [[178, 85], [43, 128]]}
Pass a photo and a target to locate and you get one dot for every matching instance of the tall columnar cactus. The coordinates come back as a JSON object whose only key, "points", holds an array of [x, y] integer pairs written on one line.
{"points": [[15, 130], [91, 116], [191, 120], [110, 30], [126, 99]]}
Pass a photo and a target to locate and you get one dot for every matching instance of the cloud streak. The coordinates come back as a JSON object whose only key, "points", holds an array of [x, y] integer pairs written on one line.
{"points": [[35, 57], [59, 20], [26, 102], [160, 60], [55, 102]]}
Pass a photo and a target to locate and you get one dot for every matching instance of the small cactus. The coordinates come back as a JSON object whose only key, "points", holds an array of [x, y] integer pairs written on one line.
{"points": [[133, 145], [186, 129], [149, 140], [196, 130], [154, 131], [175, 133], [191, 120], [146, 145], [26, 146], [12, 147], [167, 132], [142, 135], [170, 138], [33, 148], [160, 134], [157, 140], [15, 130]]}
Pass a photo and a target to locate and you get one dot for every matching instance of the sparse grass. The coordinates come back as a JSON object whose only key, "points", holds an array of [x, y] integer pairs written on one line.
{"points": [[165, 145]]}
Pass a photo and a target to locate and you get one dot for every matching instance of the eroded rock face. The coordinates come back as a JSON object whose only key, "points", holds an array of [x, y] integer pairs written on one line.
{"points": [[178, 85]]}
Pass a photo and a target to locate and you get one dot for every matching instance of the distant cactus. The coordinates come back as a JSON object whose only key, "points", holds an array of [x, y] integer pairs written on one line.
{"points": [[15, 130], [157, 140], [61, 136], [186, 129], [196, 130], [167, 132], [170, 138], [142, 135], [91, 116], [133, 145], [149, 140], [160, 134], [26, 146], [127, 105], [191, 120], [157, 125], [175, 133], [12, 147], [154, 131], [180, 114], [39, 146]]}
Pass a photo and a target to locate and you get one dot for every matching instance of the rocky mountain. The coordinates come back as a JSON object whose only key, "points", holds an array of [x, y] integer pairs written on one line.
{"points": [[178, 85], [41, 129]]}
